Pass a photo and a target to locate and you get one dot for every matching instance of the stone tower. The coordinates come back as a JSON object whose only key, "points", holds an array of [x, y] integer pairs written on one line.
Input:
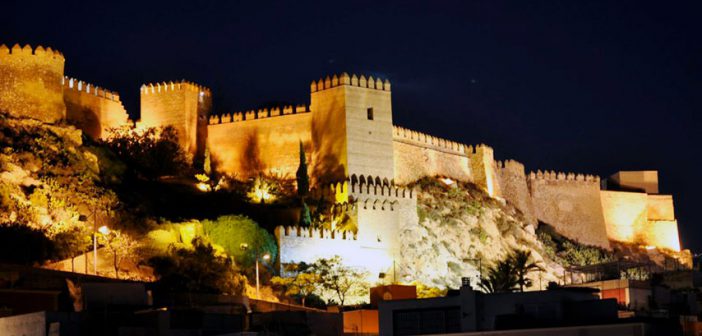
{"points": [[352, 128], [183, 105], [30, 83]]}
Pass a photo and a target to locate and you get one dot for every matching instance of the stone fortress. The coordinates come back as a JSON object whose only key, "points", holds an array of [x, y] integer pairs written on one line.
{"points": [[355, 151]]}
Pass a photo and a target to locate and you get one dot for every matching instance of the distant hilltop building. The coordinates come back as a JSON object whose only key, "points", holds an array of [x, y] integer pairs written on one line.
{"points": [[352, 144]]}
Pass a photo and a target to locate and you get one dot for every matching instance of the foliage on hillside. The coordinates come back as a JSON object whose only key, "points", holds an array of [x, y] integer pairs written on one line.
{"points": [[461, 230], [52, 183]]}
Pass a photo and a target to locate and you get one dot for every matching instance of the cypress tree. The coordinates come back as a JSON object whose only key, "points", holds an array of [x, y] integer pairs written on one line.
{"points": [[303, 180]]}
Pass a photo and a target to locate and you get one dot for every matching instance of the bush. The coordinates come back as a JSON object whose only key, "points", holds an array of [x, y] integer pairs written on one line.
{"points": [[241, 239], [21, 244], [152, 153], [197, 270]]}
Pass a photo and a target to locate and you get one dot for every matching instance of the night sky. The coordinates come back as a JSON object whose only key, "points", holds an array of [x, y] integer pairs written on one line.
{"points": [[588, 87]]}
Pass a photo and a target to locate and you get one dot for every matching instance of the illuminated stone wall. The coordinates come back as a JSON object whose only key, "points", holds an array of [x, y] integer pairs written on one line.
{"points": [[246, 144], [417, 155], [625, 215], [345, 140], [639, 218], [92, 109], [482, 163], [183, 105], [571, 204], [514, 189], [30, 83]]}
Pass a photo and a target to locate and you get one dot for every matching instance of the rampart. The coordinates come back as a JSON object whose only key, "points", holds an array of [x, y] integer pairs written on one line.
{"points": [[183, 105], [482, 164], [418, 154], [353, 80], [571, 203], [639, 218], [297, 244], [245, 144], [30, 83], [93, 109], [514, 188]]}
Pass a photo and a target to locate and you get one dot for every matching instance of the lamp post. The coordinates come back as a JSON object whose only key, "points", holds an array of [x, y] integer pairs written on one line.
{"points": [[264, 257], [103, 230]]}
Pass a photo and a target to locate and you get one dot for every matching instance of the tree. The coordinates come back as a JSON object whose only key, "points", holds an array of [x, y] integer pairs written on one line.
{"points": [[207, 165], [152, 153], [302, 285], [305, 215], [21, 244], [499, 278], [119, 245], [241, 238], [303, 180], [341, 280], [523, 264], [72, 243], [197, 269]]}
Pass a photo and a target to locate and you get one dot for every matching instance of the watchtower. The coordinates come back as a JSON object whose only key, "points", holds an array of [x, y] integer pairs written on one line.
{"points": [[352, 127], [183, 105]]}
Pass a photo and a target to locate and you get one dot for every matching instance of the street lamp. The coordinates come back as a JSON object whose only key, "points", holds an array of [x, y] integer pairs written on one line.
{"points": [[264, 257], [104, 230]]}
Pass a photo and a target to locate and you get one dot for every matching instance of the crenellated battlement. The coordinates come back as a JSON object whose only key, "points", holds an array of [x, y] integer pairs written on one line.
{"points": [[260, 114], [374, 186], [17, 51], [314, 233], [479, 149], [164, 87], [382, 204], [562, 176], [509, 165], [80, 86], [351, 80], [426, 140], [30, 82]]}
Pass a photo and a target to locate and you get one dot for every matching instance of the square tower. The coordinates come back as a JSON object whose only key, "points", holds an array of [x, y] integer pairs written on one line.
{"points": [[183, 105], [352, 128]]}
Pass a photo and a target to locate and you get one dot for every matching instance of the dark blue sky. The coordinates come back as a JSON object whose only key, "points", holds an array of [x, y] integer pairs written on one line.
{"points": [[582, 86]]}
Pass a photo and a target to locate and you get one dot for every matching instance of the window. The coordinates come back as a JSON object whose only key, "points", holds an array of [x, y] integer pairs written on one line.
{"points": [[370, 113]]}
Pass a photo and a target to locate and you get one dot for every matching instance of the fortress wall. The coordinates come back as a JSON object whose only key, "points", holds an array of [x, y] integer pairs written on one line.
{"points": [[417, 155], [298, 244], [93, 109], [660, 207], [625, 215], [183, 105], [30, 83], [483, 168], [514, 189], [662, 234], [571, 204], [258, 143]]}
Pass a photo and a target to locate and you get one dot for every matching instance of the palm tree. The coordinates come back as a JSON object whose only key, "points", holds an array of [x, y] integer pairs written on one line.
{"points": [[522, 264], [499, 277]]}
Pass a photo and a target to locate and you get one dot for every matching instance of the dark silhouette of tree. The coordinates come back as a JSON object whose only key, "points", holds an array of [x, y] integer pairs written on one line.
{"points": [[510, 273], [303, 180], [151, 153], [197, 269], [499, 278], [21, 244], [523, 264]]}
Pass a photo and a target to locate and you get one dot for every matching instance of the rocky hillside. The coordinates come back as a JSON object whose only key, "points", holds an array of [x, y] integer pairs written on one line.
{"points": [[462, 228], [48, 177]]}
